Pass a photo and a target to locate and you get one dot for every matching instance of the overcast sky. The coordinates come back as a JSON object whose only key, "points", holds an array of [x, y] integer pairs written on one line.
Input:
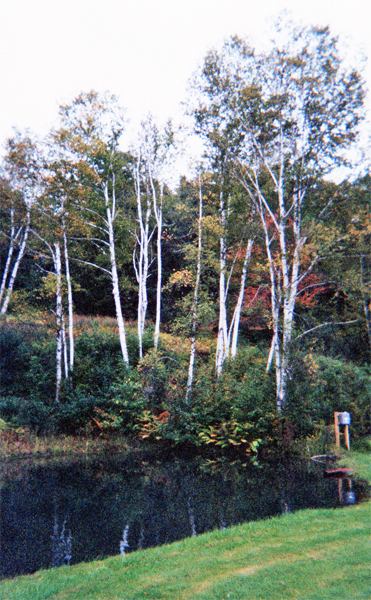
{"points": [[143, 51]]}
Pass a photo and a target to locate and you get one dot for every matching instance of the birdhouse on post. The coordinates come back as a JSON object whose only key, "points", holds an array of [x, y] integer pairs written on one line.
{"points": [[342, 418]]}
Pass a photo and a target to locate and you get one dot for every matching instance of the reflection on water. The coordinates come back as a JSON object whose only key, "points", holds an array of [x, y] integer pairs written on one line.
{"points": [[61, 544], [78, 511]]}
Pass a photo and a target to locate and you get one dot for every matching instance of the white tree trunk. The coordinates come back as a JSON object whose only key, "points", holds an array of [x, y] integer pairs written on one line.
{"points": [[64, 346], [111, 210], [13, 275], [58, 318], [157, 209], [142, 266], [70, 301], [235, 324], [195, 301], [222, 348], [8, 261]]}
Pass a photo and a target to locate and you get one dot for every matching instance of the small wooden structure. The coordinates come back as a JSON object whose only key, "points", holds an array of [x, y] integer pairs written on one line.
{"points": [[342, 418], [338, 473]]}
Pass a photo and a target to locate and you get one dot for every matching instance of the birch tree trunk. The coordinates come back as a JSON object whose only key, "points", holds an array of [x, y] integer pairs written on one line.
{"points": [[13, 239], [17, 262], [222, 349], [58, 318], [142, 265], [70, 301], [195, 301], [110, 211], [235, 324], [158, 212]]}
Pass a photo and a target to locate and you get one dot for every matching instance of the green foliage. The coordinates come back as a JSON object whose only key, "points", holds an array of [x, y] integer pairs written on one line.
{"points": [[75, 415], [98, 362], [22, 412], [239, 405], [321, 385], [235, 411], [14, 360], [27, 361]]}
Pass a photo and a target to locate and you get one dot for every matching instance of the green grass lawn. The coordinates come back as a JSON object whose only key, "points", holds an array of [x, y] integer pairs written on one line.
{"points": [[312, 554]]}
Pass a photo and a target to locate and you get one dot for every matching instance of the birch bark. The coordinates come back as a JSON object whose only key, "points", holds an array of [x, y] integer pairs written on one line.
{"points": [[110, 204], [21, 251], [222, 349], [13, 239], [158, 212], [235, 324], [141, 265], [70, 300], [58, 318], [195, 300]]}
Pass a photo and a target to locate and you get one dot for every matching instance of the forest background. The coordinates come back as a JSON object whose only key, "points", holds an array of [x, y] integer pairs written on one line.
{"points": [[234, 309]]}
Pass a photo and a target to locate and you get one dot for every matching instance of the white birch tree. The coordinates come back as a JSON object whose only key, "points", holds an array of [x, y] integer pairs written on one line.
{"points": [[214, 122], [154, 156], [192, 355], [17, 241], [296, 109], [21, 166], [142, 261], [91, 127]]}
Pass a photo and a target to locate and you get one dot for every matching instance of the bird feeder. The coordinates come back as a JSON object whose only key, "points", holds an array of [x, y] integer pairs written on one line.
{"points": [[342, 418]]}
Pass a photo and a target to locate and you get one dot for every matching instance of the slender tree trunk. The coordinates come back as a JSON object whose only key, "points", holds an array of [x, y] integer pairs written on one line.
{"points": [[13, 275], [195, 301], [157, 209], [235, 325], [70, 302], [115, 280], [64, 346], [6, 269], [141, 270], [8, 261], [58, 318], [222, 349]]}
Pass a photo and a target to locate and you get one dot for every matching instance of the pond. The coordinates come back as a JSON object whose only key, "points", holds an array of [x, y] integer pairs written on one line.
{"points": [[64, 513]]}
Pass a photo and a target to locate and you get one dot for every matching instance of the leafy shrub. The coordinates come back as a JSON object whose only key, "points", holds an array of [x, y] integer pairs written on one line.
{"points": [[14, 361], [321, 385], [74, 415], [98, 362], [22, 412]]}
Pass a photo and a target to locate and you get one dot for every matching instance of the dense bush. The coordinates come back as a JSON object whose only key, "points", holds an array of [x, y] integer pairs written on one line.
{"points": [[14, 361], [321, 385], [22, 412], [148, 400]]}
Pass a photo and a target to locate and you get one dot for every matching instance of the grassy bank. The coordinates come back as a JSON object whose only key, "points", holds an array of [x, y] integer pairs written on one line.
{"points": [[22, 443], [312, 554]]}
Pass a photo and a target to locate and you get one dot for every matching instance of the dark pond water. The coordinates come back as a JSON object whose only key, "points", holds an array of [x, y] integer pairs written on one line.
{"points": [[53, 514]]}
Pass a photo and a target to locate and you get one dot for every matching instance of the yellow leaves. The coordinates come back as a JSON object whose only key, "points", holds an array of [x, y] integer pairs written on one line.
{"points": [[180, 279], [229, 433], [311, 365], [211, 226], [149, 424]]}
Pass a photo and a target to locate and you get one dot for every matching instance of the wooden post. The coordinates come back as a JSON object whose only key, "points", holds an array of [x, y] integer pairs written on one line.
{"points": [[340, 489], [346, 436], [337, 432], [337, 429]]}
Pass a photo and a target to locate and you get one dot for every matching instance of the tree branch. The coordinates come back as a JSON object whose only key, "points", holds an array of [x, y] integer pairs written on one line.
{"points": [[325, 325]]}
